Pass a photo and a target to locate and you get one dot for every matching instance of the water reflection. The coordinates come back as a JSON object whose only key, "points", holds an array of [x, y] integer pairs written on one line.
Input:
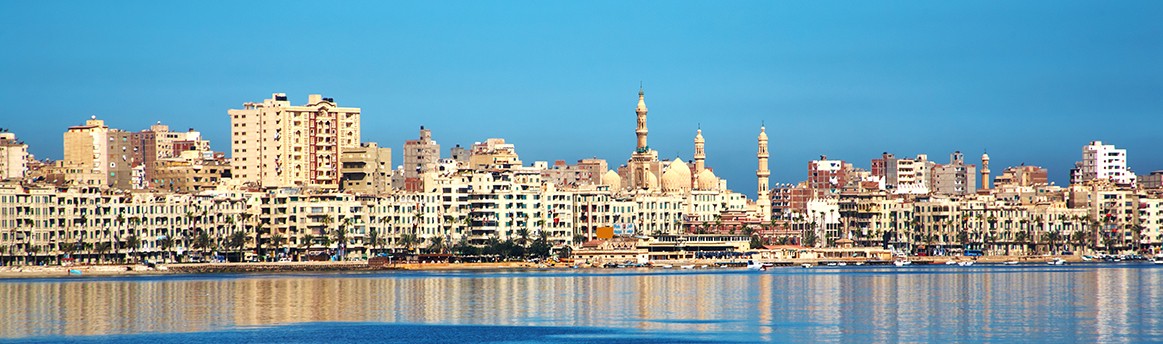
{"points": [[1093, 304]]}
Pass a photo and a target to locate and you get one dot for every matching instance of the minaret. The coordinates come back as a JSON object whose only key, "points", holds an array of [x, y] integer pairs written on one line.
{"points": [[984, 171], [762, 198], [700, 155], [641, 110]]}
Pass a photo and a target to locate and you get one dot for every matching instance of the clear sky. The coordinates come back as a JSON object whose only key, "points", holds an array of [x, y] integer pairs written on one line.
{"points": [[1030, 81]]}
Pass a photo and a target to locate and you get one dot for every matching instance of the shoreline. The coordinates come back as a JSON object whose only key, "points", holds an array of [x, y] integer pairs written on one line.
{"points": [[18, 272]]}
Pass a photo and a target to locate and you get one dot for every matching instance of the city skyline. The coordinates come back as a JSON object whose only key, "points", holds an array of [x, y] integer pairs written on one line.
{"points": [[1028, 91]]}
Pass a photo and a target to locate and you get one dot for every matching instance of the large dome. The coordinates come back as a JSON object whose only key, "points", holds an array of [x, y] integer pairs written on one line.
{"points": [[612, 179], [677, 177], [707, 180]]}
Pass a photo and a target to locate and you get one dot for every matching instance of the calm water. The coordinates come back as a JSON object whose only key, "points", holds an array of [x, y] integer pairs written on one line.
{"points": [[1113, 303]]}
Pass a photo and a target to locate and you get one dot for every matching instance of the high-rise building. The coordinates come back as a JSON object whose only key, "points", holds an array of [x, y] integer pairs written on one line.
{"points": [[1105, 162], [367, 169], [86, 159], [421, 155], [904, 175], [276, 144], [955, 178], [13, 157], [827, 177]]}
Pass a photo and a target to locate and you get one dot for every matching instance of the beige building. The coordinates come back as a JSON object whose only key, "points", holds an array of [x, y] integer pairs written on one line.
{"points": [[274, 143], [191, 172], [13, 157], [367, 169], [420, 155], [955, 178], [493, 153], [86, 160]]}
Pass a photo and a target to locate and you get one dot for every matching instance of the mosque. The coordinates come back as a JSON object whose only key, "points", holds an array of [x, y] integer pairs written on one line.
{"points": [[645, 174]]}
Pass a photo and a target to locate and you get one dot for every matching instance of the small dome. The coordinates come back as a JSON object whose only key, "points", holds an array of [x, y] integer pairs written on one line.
{"points": [[677, 177], [707, 180], [984, 156], [762, 133], [612, 179], [699, 136]]}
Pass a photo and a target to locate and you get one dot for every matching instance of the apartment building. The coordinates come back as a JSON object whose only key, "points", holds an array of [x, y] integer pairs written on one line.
{"points": [[276, 144]]}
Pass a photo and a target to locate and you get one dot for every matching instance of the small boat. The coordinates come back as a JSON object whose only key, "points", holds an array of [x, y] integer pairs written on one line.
{"points": [[831, 264], [74, 272], [1087, 258], [1056, 261], [1011, 262], [667, 266], [752, 265], [1157, 261], [687, 267], [901, 263], [951, 262], [965, 263], [859, 263], [842, 264], [806, 265]]}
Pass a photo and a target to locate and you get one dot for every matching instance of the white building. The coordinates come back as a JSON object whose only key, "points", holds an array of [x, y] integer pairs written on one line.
{"points": [[1101, 161], [13, 157]]}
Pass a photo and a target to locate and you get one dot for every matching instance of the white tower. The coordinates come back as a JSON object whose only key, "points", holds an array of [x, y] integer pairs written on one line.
{"points": [[763, 200]]}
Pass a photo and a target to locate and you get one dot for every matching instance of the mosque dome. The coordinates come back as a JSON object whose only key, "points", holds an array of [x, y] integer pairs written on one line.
{"points": [[708, 181], [651, 181], [677, 177], [612, 179], [762, 133]]}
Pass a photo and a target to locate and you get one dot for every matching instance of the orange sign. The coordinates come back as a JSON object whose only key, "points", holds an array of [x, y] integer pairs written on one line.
{"points": [[605, 232]]}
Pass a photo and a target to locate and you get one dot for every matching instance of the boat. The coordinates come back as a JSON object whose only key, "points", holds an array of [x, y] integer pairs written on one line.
{"points": [[1011, 262], [752, 265], [965, 263], [901, 262], [1056, 261], [667, 266], [74, 272], [859, 263], [1087, 258], [806, 265], [1157, 261], [951, 262], [842, 264], [831, 264], [687, 267]]}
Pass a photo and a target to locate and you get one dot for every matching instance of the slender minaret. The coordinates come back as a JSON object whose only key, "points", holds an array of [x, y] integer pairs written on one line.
{"points": [[762, 199], [984, 171], [700, 155], [641, 110]]}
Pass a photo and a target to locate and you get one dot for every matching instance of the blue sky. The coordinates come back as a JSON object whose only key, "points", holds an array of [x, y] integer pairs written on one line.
{"points": [[1031, 82]]}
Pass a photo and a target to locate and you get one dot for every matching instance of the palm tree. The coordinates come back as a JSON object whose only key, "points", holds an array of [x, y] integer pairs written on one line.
{"points": [[165, 243], [341, 236], [203, 242], [132, 243], [373, 239], [277, 241], [236, 241], [436, 244]]}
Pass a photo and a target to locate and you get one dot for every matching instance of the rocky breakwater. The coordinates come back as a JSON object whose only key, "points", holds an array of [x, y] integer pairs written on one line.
{"points": [[273, 267]]}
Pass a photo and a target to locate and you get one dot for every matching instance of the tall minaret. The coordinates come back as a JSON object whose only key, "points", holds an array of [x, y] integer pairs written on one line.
{"points": [[641, 110], [700, 154], [984, 171], [762, 198]]}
